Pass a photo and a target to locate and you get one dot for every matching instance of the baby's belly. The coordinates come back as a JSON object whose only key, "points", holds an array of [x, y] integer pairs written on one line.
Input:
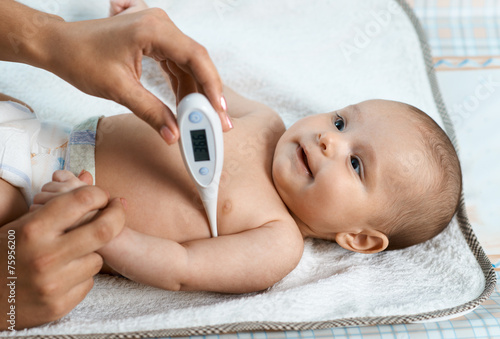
{"points": [[167, 211], [170, 217]]}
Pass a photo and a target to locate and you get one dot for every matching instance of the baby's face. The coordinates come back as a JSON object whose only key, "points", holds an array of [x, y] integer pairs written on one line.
{"points": [[331, 169]]}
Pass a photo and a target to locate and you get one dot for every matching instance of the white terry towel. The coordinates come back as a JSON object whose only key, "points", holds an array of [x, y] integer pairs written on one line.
{"points": [[299, 58]]}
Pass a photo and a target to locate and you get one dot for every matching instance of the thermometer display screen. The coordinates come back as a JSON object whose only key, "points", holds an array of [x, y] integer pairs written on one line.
{"points": [[200, 146]]}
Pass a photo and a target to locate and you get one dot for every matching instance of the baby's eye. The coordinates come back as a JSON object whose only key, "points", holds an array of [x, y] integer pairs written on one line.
{"points": [[339, 123], [355, 164]]}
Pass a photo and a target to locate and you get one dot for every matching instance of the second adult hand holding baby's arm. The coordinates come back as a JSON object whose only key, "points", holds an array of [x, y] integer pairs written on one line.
{"points": [[54, 268], [245, 262]]}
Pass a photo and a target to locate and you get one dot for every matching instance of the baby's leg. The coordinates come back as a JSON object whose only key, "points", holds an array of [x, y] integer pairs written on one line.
{"points": [[12, 203], [126, 6], [4, 97]]}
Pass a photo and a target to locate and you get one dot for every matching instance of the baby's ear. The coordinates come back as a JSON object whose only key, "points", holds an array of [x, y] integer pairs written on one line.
{"points": [[366, 241]]}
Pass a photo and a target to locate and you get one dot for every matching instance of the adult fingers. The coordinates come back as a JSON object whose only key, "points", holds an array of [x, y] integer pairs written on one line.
{"points": [[64, 210], [61, 187], [34, 207], [150, 109], [42, 198], [167, 42], [207, 80], [90, 237], [76, 294], [185, 83], [199, 65], [86, 177], [79, 271], [171, 77], [59, 307], [193, 59]]}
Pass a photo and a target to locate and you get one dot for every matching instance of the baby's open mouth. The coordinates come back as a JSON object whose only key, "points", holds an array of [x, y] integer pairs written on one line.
{"points": [[303, 156]]}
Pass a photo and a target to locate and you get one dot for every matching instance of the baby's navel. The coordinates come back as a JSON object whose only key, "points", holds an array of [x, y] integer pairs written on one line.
{"points": [[227, 206]]}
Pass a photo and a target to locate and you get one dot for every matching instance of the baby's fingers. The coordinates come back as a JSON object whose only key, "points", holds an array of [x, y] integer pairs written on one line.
{"points": [[65, 181], [62, 176]]}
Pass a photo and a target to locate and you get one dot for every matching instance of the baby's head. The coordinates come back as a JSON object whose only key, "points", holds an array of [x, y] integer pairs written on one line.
{"points": [[372, 176]]}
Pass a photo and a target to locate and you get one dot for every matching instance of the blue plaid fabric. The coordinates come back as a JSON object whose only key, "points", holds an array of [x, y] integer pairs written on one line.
{"points": [[461, 33]]}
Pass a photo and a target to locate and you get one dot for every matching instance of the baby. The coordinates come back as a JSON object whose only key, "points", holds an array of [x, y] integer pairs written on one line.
{"points": [[372, 176]]}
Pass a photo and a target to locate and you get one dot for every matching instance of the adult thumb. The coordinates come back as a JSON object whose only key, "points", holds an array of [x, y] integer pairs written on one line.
{"points": [[86, 177]]}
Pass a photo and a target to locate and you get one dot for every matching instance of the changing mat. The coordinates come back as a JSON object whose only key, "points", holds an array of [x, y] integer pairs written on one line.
{"points": [[299, 57]]}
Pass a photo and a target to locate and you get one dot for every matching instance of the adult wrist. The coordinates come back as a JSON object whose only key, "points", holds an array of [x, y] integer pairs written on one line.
{"points": [[46, 44], [25, 33]]}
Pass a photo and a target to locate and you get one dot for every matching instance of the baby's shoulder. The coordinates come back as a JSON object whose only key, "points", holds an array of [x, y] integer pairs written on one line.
{"points": [[266, 119]]}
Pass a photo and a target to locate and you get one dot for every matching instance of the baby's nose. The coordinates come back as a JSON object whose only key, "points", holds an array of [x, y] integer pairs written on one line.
{"points": [[328, 141]]}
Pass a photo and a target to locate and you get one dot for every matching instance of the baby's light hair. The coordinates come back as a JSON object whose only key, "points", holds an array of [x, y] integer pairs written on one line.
{"points": [[420, 207]]}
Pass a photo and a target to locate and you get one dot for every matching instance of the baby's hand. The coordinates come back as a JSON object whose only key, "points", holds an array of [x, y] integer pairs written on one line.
{"points": [[62, 182], [126, 6]]}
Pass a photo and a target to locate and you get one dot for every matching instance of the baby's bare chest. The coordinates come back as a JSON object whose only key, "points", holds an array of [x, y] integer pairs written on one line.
{"points": [[162, 199], [247, 199]]}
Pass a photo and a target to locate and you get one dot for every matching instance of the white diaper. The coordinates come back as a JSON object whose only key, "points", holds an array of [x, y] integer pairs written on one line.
{"points": [[30, 150]]}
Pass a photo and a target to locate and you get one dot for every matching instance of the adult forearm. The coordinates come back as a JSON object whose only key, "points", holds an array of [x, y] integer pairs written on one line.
{"points": [[25, 34]]}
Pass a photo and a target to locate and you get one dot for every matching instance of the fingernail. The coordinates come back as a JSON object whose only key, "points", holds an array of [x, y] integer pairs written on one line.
{"points": [[83, 171], [167, 135], [124, 203], [223, 103], [229, 122]]}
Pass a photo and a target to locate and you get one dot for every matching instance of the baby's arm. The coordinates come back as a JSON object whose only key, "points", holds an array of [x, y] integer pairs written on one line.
{"points": [[246, 262], [63, 182]]}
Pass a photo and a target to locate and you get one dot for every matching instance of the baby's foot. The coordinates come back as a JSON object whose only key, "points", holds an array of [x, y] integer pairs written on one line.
{"points": [[126, 6]]}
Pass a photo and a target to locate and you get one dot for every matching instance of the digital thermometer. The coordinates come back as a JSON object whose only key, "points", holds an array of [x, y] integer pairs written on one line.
{"points": [[202, 148]]}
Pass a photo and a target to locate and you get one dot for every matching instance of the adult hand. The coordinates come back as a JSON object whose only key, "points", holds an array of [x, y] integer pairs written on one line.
{"points": [[54, 268], [103, 58]]}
